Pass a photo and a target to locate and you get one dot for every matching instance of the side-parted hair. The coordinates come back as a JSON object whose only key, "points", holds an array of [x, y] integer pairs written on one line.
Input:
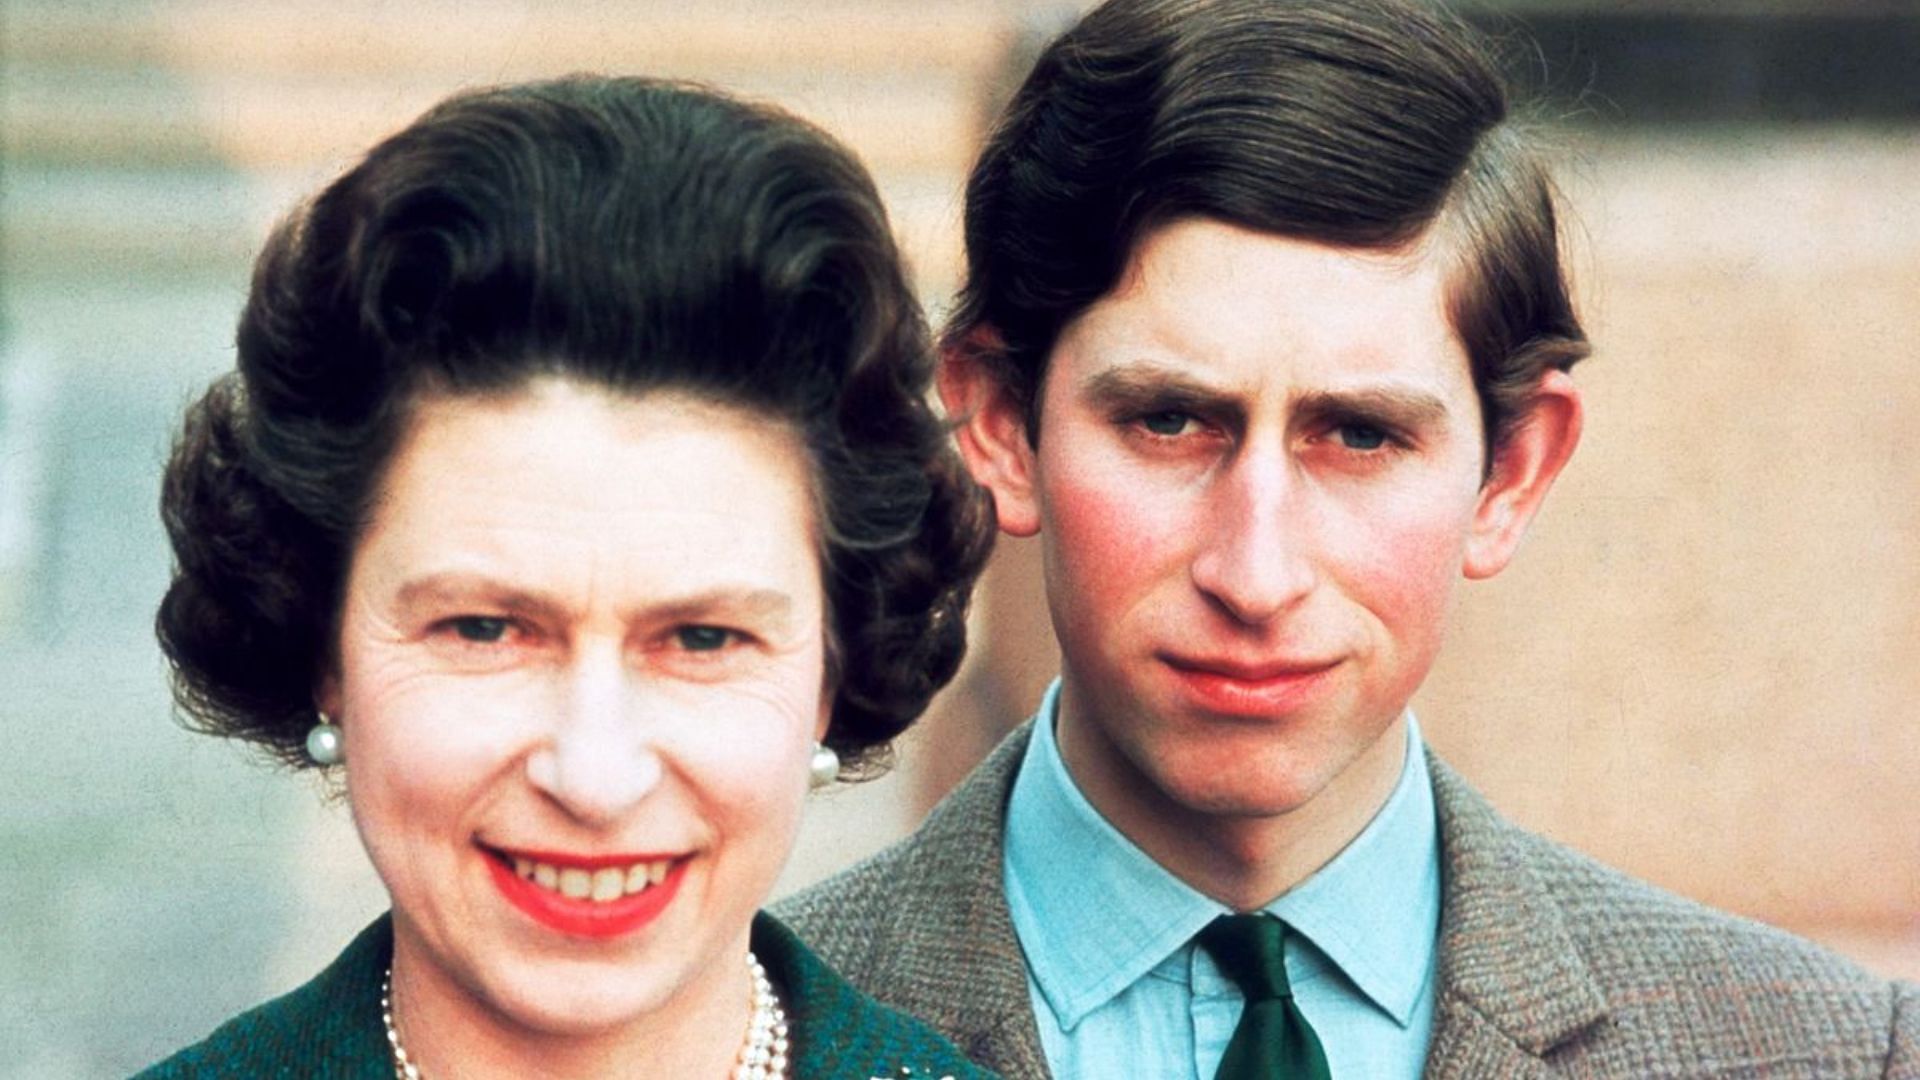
{"points": [[1367, 124], [627, 233]]}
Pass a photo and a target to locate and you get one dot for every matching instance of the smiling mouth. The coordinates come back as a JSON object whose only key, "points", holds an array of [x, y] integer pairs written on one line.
{"points": [[587, 896], [601, 885]]}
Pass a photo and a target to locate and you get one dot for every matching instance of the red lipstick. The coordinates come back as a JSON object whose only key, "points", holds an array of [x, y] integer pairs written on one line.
{"points": [[584, 918]]}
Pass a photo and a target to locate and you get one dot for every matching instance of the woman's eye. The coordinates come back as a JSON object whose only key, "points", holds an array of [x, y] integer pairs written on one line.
{"points": [[1362, 437], [480, 628], [703, 638], [1166, 423]]}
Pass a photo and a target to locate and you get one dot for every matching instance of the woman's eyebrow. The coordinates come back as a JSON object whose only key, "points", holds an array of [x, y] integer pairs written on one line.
{"points": [[458, 586], [738, 601], [747, 602]]}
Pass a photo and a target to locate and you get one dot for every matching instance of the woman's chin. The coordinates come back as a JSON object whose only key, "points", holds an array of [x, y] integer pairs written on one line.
{"points": [[588, 988], [581, 1012], [575, 1001]]}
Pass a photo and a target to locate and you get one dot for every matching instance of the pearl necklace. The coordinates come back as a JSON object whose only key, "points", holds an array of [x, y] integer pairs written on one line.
{"points": [[763, 1057], [402, 1068]]}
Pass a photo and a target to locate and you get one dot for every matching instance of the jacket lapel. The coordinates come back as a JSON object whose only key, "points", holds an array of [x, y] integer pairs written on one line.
{"points": [[1513, 985], [966, 973]]}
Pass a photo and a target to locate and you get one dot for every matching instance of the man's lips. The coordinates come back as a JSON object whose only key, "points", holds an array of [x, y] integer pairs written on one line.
{"points": [[1248, 671], [1250, 688]]}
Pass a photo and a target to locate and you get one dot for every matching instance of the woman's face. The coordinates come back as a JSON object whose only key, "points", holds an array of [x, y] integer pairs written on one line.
{"points": [[580, 674]]}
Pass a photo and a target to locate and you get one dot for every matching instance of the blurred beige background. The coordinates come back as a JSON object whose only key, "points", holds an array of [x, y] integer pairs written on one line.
{"points": [[1702, 668]]}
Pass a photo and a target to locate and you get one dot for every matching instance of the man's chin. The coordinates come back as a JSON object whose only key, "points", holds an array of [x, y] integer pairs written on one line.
{"points": [[1237, 785], [1254, 801]]}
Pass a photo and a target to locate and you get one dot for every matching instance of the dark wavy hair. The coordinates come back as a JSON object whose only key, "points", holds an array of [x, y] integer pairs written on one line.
{"points": [[1369, 124], [623, 232]]}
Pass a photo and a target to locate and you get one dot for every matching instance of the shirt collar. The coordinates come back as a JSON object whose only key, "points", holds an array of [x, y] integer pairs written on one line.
{"points": [[1374, 909], [1094, 913]]}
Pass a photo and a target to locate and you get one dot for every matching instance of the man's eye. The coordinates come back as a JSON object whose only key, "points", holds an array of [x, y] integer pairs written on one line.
{"points": [[480, 628], [703, 638], [1166, 423], [1362, 437]]}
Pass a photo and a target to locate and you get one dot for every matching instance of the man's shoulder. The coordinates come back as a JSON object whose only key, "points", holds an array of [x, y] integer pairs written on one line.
{"points": [[840, 1031], [923, 927], [941, 879], [848, 918], [1629, 928], [1533, 927], [1675, 972]]}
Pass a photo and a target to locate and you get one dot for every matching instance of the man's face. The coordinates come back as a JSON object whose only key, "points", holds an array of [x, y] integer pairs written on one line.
{"points": [[1259, 474]]}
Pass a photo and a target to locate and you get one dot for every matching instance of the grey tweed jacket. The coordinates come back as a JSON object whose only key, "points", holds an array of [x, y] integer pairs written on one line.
{"points": [[1551, 964]]}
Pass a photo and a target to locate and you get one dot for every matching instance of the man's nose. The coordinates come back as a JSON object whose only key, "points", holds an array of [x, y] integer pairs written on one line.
{"points": [[599, 758], [1255, 558]]}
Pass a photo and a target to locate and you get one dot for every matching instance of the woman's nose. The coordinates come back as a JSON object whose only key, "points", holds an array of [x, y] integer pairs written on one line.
{"points": [[1255, 560], [598, 760]]}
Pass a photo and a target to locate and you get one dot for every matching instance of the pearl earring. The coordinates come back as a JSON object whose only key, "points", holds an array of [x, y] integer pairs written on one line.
{"points": [[824, 769], [323, 742]]}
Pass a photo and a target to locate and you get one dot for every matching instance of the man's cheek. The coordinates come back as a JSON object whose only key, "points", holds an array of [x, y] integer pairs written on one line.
{"points": [[1406, 580], [1107, 534]]}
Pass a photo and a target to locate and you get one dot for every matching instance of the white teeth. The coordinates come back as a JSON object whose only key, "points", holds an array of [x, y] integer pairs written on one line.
{"points": [[599, 886], [608, 884]]}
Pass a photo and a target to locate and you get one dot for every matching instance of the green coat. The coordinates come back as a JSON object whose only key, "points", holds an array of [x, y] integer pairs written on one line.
{"points": [[330, 1028]]}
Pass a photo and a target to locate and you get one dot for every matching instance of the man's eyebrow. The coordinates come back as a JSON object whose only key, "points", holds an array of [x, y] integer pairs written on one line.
{"points": [[1148, 385], [1402, 407]]}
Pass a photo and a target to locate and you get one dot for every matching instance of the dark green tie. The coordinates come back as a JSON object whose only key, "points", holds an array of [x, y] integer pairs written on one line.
{"points": [[1273, 1041]]}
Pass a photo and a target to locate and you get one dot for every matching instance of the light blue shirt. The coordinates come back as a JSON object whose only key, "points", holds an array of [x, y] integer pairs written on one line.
{"points": [[1118, 987]]}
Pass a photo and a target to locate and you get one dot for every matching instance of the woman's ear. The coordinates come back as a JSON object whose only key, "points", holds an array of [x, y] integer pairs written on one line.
{"points": [[991, 428], [326, 695], [824, 720], [1524, 468]]}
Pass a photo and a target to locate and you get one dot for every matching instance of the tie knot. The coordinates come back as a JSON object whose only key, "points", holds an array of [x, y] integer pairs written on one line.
{"points": [[1250, 950]]}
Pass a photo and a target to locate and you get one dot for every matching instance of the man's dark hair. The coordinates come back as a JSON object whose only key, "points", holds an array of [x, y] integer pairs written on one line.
{"points": [[625, 233], [1368, 124]]}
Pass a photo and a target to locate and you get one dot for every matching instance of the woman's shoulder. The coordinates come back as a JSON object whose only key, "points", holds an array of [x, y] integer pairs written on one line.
{"points": [[836, 1031], [330, 1027]]}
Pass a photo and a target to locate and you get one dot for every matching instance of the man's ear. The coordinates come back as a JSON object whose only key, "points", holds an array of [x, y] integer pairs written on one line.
{"points": [[991, 428], [1523, 469]]}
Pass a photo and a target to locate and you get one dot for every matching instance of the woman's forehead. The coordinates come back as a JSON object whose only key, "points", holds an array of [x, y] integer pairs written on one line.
{"points": [[560, 484]]}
